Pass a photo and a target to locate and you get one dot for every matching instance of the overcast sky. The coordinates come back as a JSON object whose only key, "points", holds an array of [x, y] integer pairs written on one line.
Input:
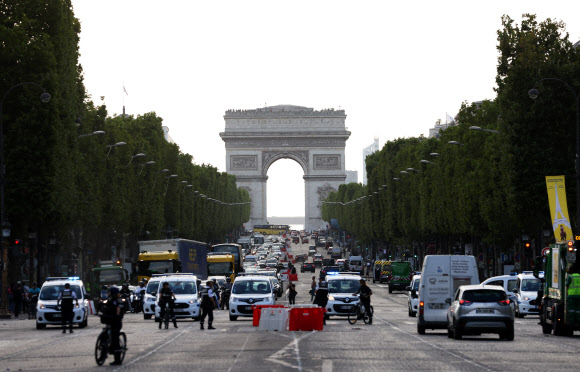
{"points": [[395, 67]]}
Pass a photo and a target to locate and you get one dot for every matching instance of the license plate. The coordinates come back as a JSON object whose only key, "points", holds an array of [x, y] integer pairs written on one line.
{"points": [[436, 306], [246, 307], [56, 316], [484, 311], [345, 307]]}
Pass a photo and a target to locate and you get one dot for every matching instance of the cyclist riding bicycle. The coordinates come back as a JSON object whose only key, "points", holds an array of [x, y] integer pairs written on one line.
{"points": [[166, 297], [365, 298], [114, 310]]}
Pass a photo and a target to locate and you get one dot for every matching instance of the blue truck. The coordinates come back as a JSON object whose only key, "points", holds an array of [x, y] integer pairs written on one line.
{"points": [[172, 256]]}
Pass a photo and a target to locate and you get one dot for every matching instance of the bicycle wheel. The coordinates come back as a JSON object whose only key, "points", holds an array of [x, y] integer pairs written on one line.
{"points": [[101, 349], [353, 315], [123, 345], [166, 318], [366, 317]]}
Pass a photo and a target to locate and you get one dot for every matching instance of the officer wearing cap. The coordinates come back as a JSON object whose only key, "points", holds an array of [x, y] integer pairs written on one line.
{"points": [[207, 304], [114, 309], [67, 309], [321, 296]]}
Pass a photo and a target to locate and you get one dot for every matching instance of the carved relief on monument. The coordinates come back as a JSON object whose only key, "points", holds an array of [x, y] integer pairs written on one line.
{"points": [[327, 162], [323, 192], [244, 162], [285, 142], [268, 155]]}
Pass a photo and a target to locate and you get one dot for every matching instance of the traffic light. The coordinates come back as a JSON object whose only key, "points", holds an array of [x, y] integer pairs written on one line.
{"points": [[527, 245], [17, 242], [570, 246]]}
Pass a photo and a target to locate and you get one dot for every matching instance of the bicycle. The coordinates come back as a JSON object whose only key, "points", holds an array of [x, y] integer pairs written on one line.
{"points": [[358, 312], [104, 346]]}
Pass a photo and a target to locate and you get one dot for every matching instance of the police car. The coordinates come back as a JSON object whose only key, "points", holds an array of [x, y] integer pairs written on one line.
{"points": [[341, 286], [247, 291], [526, 291], [48, 313], [149, 299], [184, 287]]}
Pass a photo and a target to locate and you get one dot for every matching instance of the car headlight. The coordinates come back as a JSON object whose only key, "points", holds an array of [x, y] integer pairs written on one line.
{"points": [[192, 301], [233, 298], [330, 298], [40, 305], [526, 298], [77, 306]]}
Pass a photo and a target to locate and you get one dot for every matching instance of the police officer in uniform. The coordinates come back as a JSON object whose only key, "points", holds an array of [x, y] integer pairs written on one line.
{"points": [[115, 309], [207, 304], [67, 314], [166, 295], [321, 296]]}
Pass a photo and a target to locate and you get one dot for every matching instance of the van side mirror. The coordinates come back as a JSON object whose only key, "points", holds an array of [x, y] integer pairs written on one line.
{"points": [[448, 301]]}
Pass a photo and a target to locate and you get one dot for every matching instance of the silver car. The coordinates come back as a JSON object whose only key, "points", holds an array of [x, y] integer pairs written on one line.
{"points": [[478, 309]]}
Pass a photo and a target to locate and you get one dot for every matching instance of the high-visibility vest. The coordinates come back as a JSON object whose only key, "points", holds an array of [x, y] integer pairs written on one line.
{"points": [[574, 287]]}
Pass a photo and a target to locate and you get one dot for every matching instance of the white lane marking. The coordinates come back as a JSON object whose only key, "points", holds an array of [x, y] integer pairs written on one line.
{"points": [[433, 345], [154, 350], [327, 365], [284, 352], [240, 353]]}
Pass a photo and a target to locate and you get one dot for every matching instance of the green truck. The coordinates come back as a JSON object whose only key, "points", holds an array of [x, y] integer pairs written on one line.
{"points": [[559, 306], [397, 274], [107, 273]]}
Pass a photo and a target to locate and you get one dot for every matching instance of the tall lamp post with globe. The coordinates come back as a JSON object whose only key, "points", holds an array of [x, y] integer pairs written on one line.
{"points": [[45, 98], [533, 93]]}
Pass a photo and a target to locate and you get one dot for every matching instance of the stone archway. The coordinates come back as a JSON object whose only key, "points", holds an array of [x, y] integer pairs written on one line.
{"points": [[256, 139]]}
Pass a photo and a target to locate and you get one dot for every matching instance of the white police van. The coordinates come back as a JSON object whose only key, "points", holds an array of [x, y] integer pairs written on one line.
{"points": [[48, 313], [150, 297], [184, 287], [341, 287], [526, 291]]}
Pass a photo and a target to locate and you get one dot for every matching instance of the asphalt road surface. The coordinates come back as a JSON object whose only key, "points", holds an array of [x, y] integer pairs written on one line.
{"points": [[391, 343]]}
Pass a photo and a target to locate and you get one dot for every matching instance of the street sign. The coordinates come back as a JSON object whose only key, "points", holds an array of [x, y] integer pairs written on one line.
{"points": [[480, 257], [503, 258], [545, 251], [517, 257]]}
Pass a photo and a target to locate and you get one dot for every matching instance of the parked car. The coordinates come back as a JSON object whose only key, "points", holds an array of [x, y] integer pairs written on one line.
{"points": [[477, 309], [308, 266]]}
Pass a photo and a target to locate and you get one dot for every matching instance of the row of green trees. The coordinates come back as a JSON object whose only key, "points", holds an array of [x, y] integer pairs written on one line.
{"points": [[75, 192], [490, 187]]}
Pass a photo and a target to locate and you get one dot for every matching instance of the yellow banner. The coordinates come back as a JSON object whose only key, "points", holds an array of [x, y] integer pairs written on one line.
{"points": [[559, 208]]}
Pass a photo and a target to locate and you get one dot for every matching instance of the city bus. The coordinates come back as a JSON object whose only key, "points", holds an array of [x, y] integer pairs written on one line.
{"points": [[271, 229]]}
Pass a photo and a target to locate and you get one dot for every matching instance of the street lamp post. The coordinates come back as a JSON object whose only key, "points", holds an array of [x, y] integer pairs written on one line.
{"points": [[44, 98], [533, 93]]}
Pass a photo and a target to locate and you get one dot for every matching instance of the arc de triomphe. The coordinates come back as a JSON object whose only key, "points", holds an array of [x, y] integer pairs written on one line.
{"points": [[255, 139]]}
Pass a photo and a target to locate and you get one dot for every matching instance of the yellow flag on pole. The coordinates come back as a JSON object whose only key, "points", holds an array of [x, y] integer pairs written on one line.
{"points": [[559, 208]]}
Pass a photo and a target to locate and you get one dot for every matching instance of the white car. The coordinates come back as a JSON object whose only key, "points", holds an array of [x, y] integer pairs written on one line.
{"points": [[184, 287], [149, 300], [47, 313], [340, 290], [526, 291], [508, 283], [247, 291], [413, 295]]}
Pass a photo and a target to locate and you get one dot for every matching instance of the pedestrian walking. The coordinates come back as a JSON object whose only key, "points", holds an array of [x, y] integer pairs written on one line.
{"points": [[292, 294], [66, 310], [312, 288]]}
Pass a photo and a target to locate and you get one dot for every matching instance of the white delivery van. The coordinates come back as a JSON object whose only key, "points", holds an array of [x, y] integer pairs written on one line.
{"points": [[355, 264], [441, 277]]}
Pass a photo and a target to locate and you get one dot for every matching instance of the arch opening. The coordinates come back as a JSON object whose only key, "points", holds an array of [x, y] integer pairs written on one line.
{"points": [[286, 196]]}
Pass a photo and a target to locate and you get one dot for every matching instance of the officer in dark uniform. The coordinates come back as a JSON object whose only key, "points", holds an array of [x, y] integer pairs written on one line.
{"points": [[66, 297], [321, 296], [166, 295], [114, 308], [207, 304], [365, 298]]}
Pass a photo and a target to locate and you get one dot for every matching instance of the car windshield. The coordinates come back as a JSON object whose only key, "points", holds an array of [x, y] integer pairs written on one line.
{"points": [[355, 262], [152, 286], [180, 288], [252, 287], [530, 285], [51, 292], [110, 276], [220, 268], [343, 286], [484, 295]]}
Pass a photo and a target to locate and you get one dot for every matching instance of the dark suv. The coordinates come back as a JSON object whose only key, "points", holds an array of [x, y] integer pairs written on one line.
{"points": [[308, 266], [328, 269]]}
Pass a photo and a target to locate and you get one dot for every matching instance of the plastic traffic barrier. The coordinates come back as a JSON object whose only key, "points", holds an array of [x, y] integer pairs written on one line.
{"points": [[306, 319], [257, 309], [293, 277], [274, 319]]}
